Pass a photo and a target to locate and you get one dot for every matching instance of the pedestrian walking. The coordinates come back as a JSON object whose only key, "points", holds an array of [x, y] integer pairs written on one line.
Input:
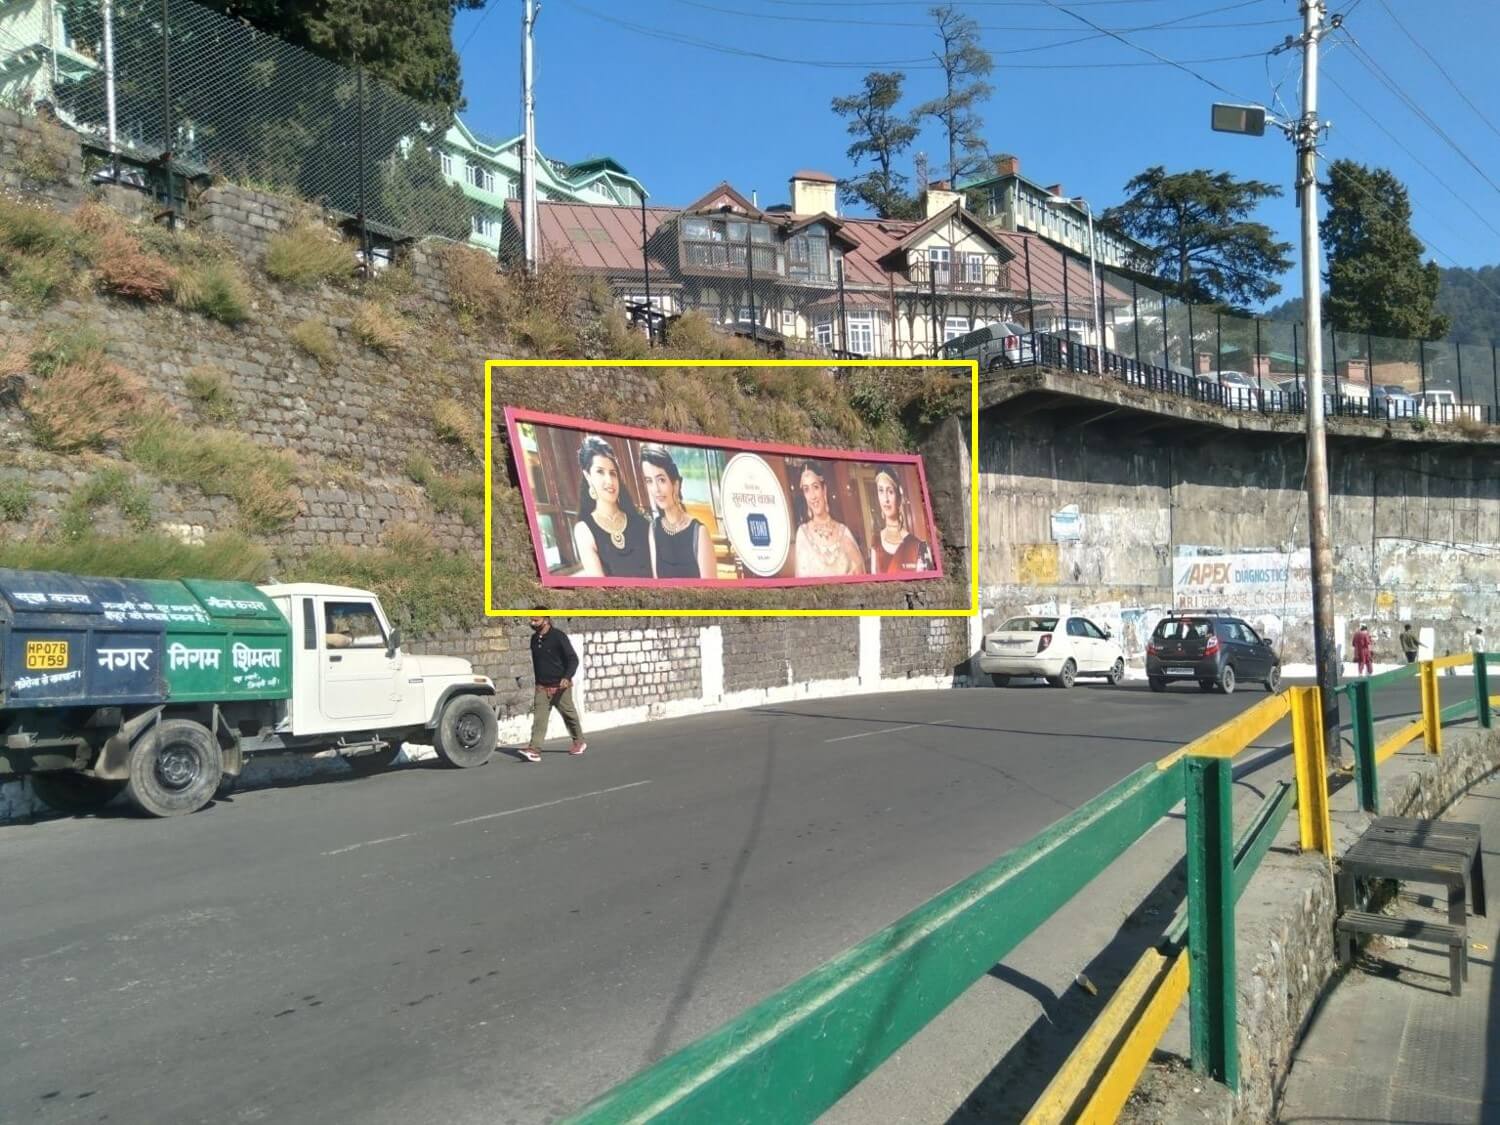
{"points": [[554, 663], [1478, 638], [1409, 643], [1364, 651]]}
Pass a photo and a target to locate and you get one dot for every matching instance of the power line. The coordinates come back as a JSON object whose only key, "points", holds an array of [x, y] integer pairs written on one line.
{"points": [[1390, 84], [1148, 51], [1441, 69], [473, 31], [923, 63], [1178, 23], [1395, 140]]}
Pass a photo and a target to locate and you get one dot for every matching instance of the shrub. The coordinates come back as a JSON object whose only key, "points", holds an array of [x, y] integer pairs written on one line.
{"points": [[16, 498], [476, 289], [216, 289], [317, 340], [38, 251], [141, 555], [124, 266], [377, 328], [695, 401], [261, 483], [208, 388], [693, 336], [307, 255], [1470, 426], [457, 426], [423, 587]]}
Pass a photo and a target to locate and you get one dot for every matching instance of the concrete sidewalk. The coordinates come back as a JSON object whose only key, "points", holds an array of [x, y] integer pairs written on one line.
{"points": [[1388, 1043]]}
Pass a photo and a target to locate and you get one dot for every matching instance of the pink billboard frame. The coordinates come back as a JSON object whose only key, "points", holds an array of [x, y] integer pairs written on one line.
{"points": [[514, 415]]}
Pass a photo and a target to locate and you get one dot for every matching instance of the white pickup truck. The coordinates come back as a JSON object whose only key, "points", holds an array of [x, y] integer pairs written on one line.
{"points": [[161, 688]]}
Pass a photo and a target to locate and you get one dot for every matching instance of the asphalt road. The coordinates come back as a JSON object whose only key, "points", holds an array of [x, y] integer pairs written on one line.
{"points": [[503, 945]]}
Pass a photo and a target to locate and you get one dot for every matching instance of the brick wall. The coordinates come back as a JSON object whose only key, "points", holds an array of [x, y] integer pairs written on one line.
{"points": [[914, 646]]}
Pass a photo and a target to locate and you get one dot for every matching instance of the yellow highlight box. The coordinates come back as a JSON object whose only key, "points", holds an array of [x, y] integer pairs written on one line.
{"points": [[971, 366]]}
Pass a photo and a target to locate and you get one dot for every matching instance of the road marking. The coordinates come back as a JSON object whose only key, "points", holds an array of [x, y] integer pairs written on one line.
{"points": [[368, 843], [886, 730], [549, 804]]}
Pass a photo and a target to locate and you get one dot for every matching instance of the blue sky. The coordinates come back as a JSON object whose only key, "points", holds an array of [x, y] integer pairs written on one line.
{"points": [[682, 116]]}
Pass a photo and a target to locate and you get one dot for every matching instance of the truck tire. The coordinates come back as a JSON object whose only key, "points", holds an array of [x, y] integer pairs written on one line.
{"points": [[175, 769], [467, 732], [67, 791], [363, 765]]}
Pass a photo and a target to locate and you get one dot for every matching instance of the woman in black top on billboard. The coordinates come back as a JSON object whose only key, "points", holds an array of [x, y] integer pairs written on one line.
{"points": [[680, 546], [612, 537]]}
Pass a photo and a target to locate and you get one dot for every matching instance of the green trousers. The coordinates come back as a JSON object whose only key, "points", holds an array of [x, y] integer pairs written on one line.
{"points": [[542, 706]]}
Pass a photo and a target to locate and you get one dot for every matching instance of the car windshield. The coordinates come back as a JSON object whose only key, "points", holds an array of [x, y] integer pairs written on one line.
{"points": [[1184, 629], [1029, 625]]}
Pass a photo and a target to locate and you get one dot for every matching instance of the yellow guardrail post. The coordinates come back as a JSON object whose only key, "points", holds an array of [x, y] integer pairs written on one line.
{"points": [[1432, 709], [1310, 755]]}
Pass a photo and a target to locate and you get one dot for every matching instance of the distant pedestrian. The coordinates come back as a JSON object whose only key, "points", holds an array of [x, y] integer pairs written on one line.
{"points": [[1364, 651], [1410, 646], [1478, 638], [553, 666]]}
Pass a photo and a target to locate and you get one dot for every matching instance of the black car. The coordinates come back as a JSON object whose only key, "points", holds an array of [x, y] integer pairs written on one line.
{"points": [[1217, 650]]}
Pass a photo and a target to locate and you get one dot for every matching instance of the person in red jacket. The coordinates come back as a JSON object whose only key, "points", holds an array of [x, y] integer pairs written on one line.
{"points": [[1364, 651]]}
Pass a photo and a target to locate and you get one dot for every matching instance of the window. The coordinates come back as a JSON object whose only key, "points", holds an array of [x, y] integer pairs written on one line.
{"points": [[1092, 631], [484, 226], [481, 177], [807, 255], [512, 190], [940, 258], [954, 327], [719, 244], [823, 333], [1076, 627], [788, 320], [352, 625], [974, 269], [446, 159], [861, 333]]}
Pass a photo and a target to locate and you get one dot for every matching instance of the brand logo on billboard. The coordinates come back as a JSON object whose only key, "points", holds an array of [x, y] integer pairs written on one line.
{"points": [[756, 514]]}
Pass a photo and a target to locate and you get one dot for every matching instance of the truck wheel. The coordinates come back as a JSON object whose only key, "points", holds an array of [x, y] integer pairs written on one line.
{"points": [[175, 769], [467, 732], [363, 765], [67, 791]]}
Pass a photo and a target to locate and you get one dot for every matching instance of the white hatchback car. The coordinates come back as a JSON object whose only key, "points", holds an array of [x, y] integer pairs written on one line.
{"points": [[1058, 648]]}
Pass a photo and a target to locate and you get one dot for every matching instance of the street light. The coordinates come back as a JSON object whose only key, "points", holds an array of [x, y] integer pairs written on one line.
{"points": [[1066, 201]]}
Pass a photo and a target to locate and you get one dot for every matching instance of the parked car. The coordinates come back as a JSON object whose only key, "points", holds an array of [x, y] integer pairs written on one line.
{"points": [[1215, 649], [1394, 401], [1004, 344], [1060, 649]]}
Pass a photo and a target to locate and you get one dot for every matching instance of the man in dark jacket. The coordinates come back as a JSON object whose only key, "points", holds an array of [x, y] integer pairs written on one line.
{"points": [[553, 665]]}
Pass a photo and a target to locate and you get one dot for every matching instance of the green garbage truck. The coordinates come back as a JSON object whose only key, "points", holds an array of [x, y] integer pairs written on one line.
{"points": [[161, 688]]}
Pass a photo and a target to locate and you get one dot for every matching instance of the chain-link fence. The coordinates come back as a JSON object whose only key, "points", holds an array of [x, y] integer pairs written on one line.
{"points": [[195, 92]]}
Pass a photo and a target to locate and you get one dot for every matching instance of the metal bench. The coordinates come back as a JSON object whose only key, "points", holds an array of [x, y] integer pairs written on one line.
{"points": [[1356, 922], [1409, 850]]}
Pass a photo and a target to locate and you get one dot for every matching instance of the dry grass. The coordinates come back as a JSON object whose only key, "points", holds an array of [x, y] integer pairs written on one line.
{"points": [[44, 152], [457, 426], [217, 289], [317, 340], [40, 252], [16, 498], [141, 555], [476, 290], [307, 255], [461, 494], [1470, 426], [262, 483], [378, 328], [75, 398], [123, 265], [209, 389]]}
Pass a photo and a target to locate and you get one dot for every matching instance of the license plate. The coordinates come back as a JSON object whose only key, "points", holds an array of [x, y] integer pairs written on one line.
{"points": [[1179, 671], [46, 656]]}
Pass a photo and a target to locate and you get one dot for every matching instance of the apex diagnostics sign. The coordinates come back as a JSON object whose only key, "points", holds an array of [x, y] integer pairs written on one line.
{"points": [[622, 506], [1244, 582]]}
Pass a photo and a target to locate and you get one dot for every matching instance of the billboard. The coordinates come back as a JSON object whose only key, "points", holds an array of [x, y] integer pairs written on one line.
{"points": [[627, 507], [1249, 583]]}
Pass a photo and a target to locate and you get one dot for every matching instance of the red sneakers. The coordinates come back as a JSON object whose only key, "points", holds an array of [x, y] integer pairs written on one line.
{"points": [[578, 748]]}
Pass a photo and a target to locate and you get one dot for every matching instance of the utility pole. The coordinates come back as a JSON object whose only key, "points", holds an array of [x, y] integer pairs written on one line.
{"points": [[1250, 120], [528, 156], [1325, 644]]}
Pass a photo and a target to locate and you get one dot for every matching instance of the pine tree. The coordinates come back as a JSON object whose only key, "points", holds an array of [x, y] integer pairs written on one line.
{"points": [[881, 134], [1377, 282], [964, 64]]}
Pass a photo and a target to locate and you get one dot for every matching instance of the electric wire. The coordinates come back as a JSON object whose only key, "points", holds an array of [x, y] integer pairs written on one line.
{"points": [[1441, 69]]}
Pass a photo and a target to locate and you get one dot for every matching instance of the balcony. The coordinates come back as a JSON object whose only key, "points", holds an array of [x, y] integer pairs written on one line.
{"points": [[964, 276]]}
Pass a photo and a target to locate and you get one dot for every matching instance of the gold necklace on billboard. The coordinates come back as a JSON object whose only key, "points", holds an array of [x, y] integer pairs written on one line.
{"points": [[617, 532], [825, 541], [885, 539], [671, 526]]}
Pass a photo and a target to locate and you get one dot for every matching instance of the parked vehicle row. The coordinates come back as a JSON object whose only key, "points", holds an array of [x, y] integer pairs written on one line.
{"points": [[1215, 650]]}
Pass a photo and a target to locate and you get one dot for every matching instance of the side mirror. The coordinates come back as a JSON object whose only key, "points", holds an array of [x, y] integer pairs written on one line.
{"points": [[394, 644], [1108, 632]]}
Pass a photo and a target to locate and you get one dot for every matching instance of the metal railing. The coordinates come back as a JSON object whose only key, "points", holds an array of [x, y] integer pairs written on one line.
{"points": [[795, 1054]]}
